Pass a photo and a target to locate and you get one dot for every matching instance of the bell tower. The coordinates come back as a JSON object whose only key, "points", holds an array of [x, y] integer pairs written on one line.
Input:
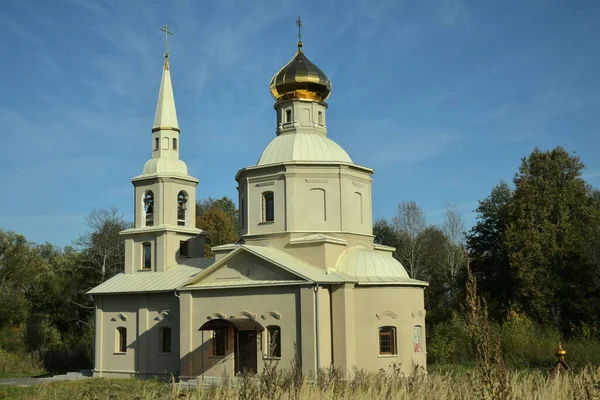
{"points": [[164, 228]]}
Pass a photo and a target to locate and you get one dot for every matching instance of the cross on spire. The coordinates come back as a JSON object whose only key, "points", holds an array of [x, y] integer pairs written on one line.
{"points": [[167, 32], [299, 23]]}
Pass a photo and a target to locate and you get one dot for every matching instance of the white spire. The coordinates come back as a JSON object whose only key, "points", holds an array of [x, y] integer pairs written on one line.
{"points": [[165, 132], [166, 116]]}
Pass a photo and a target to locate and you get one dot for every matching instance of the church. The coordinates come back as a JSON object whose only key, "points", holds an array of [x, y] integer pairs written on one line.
{"points": [[305, 280]]}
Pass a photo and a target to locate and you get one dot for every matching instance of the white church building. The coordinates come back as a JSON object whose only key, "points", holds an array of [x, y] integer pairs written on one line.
{"points": [[304, 278]]}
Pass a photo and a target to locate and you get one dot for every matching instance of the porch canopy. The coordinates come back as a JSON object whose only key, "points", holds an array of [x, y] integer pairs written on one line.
{"points": [[241, 324]]}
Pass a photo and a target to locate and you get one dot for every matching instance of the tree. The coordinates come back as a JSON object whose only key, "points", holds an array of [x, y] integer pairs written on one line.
{"points": [[488, 253], [384, 233], [551, 212], [224, 203], [103, 248], [438, 303], [410, 223], [219, 218], [453, 229], [17, 265]]}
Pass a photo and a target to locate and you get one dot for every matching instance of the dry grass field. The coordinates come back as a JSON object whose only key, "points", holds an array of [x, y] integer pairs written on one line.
{"points": [[584, 384]]}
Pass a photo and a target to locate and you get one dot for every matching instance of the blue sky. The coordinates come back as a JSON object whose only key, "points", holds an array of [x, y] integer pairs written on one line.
{"points": [[442, 98]]}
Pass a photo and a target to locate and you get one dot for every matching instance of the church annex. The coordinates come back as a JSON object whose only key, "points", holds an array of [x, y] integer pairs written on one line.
{"points": [[305, 275]]}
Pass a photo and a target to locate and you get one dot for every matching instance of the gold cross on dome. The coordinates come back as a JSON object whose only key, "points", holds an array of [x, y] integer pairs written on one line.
{"points": [[299, 23], [167, 32]]}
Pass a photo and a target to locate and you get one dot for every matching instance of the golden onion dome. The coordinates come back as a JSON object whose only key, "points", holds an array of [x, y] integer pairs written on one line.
{"points": [[300, 79]]}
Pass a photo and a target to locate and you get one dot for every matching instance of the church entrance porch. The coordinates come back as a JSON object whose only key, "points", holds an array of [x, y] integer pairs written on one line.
{"points": [[245, 335]]}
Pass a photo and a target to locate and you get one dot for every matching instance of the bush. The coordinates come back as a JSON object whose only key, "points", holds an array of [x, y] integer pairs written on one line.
{"points": [[449, 342], [12, 339], [525, 344], [20, 364]]}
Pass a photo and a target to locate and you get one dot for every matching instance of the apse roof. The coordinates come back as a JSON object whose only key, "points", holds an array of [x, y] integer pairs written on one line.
{"points": [[372, 267]]}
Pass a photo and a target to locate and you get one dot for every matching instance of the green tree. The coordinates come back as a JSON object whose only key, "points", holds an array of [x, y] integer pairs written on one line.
{"points": [[384, 233], [439, 296], [224, 203], [17, 265], [488, 252], [219, 218], [550, 214]]}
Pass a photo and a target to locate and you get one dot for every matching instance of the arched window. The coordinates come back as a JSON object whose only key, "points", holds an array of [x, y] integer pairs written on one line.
{"points": [[147, 252], [387, 340], [156, 142], [164, 334], [317, 203], [320, 118], [182, 199], [166, 143], [358, 206], [288, 115], [174, 143], [149, 208], [273, 341], [417, 332], [268, 207], [121, 340]]}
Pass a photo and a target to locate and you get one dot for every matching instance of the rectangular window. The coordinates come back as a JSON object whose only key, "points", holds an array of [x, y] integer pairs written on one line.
{"points": [[241, 213], [387, 340], [183, 248], [165, 340], [156, 141], [174, 143], [220, 342], [147, 255], [274, 341]]}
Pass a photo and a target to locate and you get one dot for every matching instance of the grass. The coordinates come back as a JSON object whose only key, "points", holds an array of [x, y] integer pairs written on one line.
{"points": [[17, 392], [14, 365], [436, 385]]}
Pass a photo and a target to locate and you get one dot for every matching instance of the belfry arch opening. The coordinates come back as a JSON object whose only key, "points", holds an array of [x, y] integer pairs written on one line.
{"points": [[182, 209], [148, 208]]}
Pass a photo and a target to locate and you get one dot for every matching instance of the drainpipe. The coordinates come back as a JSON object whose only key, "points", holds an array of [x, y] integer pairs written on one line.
{"points": [[317, 341]]}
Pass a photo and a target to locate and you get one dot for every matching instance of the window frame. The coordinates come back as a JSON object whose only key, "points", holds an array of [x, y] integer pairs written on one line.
{"points": [[165, 347], [388, 332], [219, 344], [268, 198], [146, 255], [242, 213], [174, 143], [288, 116], [184, 250], [121, 340], [275, 352]]}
